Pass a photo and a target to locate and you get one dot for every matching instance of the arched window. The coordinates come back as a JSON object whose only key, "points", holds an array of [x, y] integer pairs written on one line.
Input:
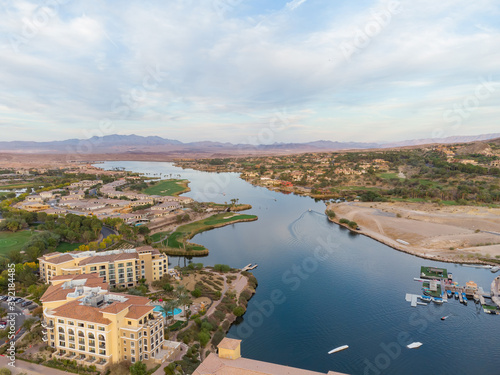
{"points": [[101, 338], [61, 329], [80, 334], [71, 332], [91, 335]]}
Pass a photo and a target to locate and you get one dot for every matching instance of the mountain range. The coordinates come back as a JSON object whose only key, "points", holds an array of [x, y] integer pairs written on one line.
{"points": [[135, 144]]}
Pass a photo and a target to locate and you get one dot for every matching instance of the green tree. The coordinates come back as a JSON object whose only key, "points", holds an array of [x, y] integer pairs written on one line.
{"points": [[239, 310], [138, 368]]}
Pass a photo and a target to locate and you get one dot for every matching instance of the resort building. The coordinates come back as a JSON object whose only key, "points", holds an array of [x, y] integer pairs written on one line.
{"points": [[86, 323], [120, 268], [85, 184], [229, 361]]}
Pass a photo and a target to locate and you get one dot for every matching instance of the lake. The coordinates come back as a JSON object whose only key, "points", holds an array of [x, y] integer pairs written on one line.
{"points": [[321, 286]]}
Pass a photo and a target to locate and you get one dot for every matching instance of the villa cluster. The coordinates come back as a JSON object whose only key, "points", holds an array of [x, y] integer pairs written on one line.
{"points": [[112, 202]]}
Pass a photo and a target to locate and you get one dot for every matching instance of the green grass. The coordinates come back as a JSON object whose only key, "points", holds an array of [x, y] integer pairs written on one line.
{"points": [[414, 200], [16, 186], [13, 241], [168, 187], [158, 236], [388, 175], [66, 246], [214, 221], [185, 232]]}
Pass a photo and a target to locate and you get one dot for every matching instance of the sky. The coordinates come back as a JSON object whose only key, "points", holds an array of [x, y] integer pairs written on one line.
{"points": [[249, 71]]}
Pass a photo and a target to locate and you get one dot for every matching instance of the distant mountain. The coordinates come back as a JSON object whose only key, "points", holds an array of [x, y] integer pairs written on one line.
{"points": [[136, 144], [454, 139]]}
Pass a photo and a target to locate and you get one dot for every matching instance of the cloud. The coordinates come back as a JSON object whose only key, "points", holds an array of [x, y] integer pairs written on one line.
{"points": [[292, 5], [221, 70]]}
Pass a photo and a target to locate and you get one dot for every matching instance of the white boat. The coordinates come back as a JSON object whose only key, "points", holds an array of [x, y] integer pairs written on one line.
{"points": [[343, 347], [414, 345], [495, 269]]}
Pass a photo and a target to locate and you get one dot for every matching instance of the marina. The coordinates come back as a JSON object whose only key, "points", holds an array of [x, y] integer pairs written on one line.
{"points": [[438, 286]]}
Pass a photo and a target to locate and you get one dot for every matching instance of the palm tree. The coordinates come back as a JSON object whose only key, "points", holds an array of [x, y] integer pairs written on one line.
{"points": [[169, 307], [184, 300]]}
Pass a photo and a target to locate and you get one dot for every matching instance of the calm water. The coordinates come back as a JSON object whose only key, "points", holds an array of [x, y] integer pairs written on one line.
{"points": [[321, 287]]}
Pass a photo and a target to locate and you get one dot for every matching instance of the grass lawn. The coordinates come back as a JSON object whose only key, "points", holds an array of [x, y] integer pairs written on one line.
{"points": [[188, 231], [66, 246], [388, 175], [158, 236], [16, 186], [13, 241], [168, 187]]}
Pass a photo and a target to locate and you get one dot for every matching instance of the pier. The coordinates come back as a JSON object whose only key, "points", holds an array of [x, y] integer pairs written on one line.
{"points": [[249, 267]]}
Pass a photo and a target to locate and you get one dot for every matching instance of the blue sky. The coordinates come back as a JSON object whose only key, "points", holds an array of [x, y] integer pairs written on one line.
{"points": [[247, 71]]}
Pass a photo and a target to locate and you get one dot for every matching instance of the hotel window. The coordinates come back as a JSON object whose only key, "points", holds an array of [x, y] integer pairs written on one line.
{"points": [[102, 267], [132, 344], [81, 325], [62, 343], [90, 326], [129, 264], [71, 323], [60, 321], [100, 328], [129, 322], [81, 347], [132, 352], [132, 335], [93, 268]]}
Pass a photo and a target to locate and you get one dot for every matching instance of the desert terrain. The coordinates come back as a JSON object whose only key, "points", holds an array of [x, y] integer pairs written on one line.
{"points": [[450, 233]]}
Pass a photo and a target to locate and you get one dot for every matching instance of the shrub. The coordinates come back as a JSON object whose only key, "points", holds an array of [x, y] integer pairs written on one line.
{"points": [[204, 338], [196, 293], [218, 336], [239, 310], [330, 214], [344, 221]]}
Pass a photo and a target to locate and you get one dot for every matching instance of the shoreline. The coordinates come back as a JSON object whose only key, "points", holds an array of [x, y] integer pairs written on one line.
{"points": [[424, 253], [205, 252]]}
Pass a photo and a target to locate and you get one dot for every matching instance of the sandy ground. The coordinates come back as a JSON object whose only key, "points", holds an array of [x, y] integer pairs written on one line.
{"points": [[453, 233]]}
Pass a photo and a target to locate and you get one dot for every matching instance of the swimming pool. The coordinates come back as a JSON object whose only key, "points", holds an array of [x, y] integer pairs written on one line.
{"points": [[176, 311]]}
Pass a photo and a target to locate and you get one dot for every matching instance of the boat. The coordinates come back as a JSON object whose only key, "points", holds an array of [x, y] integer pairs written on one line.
{"points": [[456, 295], [414, 345], [343, 347], [449, 293], [464, 298], [426, 298], [444, 317], [495, 269], [438, 300]]}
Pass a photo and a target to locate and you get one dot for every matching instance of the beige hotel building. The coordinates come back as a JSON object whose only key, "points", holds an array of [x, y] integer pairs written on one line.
{"points": [[86, 323], [119, 268]]}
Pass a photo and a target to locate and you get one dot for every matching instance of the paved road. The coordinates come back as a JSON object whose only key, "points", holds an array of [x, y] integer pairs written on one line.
{"points": [[29, 368], [20, 318], [106, 232]]}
